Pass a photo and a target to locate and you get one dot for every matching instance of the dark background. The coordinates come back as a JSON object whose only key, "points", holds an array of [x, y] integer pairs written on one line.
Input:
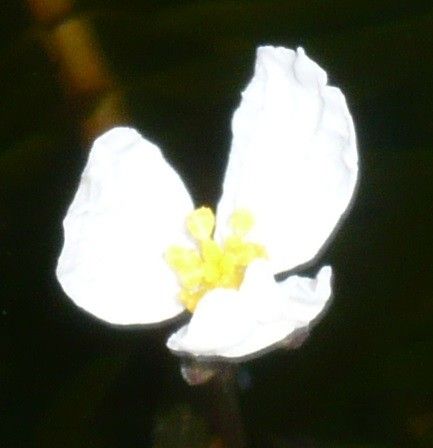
{"points": [[365, 376]]}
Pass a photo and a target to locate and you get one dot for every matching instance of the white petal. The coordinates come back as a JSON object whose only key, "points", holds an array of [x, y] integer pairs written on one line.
{"points": [[293, 160], [129, 207], [261, 293], [219, 322], [306, 297], [237, 324]]}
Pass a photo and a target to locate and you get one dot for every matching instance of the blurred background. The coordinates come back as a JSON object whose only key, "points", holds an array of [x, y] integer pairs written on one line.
{"points": [[175, 69]]}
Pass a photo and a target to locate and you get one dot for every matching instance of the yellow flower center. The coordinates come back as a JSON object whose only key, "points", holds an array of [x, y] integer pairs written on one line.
{"points": [[211, 265]]}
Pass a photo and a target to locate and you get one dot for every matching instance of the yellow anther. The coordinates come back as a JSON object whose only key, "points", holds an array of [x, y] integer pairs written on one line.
{"points": [[210, 251], [243, 252], [211, 265], [201, 223], [190, 299], [241, 222], [182, 258], [188, 265], [211, 255]]}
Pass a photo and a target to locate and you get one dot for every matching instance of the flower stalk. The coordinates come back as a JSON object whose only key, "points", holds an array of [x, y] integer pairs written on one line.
{"points": [[224, 408]]}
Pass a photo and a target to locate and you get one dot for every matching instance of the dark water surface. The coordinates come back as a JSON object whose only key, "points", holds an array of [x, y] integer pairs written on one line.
{"points": [[365, 376]]}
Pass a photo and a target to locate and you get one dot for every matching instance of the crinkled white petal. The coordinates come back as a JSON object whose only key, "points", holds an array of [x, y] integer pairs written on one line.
{"points": [[219, 322], [235, 324], [293, 159], [307, 296], [129, 207]]}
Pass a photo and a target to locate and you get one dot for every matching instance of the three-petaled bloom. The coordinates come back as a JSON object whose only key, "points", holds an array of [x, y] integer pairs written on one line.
{"points": [[136, 252]]}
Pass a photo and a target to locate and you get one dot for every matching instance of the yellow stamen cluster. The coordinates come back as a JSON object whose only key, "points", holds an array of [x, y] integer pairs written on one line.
{"points": [[211, 265]]}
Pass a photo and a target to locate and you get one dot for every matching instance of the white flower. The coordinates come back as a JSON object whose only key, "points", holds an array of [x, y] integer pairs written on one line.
{"points": [[292, 170]]}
